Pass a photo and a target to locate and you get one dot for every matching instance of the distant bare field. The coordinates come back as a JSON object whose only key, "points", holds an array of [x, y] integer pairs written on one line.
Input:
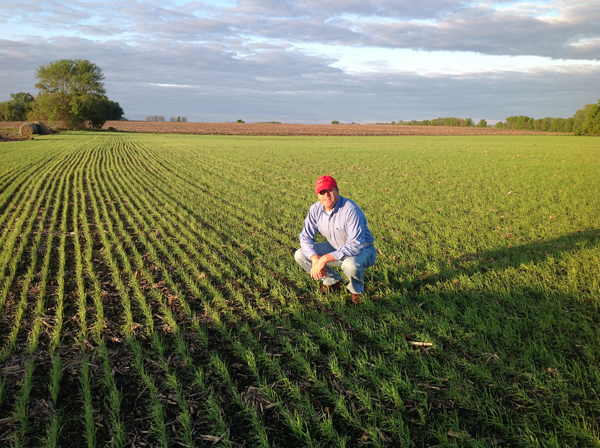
{"points": [[301, 129], [167, 127]]}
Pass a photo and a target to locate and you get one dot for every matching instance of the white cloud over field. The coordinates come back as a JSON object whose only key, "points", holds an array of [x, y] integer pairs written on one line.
{"points": [[315, 61]]}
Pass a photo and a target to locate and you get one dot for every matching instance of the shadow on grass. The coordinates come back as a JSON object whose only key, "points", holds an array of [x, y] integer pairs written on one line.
{"points": [[493, 360], [504, 258]]}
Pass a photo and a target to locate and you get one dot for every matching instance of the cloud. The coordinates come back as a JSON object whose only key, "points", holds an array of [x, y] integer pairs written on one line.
{"points": [[275, 82], [560, 30], [270, 58], [488, 31], [398, 9]]}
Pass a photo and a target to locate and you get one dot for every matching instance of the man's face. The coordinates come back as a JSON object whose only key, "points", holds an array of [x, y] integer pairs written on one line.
{"points": [[328, 198]]}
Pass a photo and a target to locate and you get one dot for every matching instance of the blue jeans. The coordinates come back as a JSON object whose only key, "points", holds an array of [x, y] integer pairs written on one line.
{"points": [[353, 267]]}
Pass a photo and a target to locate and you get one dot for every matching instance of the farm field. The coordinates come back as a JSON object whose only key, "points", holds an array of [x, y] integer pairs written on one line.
{"points": [[149, 295], [286, 129]]}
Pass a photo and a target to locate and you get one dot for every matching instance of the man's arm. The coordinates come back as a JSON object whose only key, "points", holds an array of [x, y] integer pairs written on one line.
{"points": [[307, 236], [319, 268], [307, 242]]}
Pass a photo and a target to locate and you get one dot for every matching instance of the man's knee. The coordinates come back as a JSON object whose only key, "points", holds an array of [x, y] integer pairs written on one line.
{"points": [[350, 266], [299, 256]]}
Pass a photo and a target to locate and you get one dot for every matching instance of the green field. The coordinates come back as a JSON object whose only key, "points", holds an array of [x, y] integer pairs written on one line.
{"points": [[149, 295]]}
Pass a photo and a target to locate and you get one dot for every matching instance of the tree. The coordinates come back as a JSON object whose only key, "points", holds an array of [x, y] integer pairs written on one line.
{"points": [[17, 108], [71, 90], [520, 122], [110, 110], [482, 123], [591, 125], [580, 117]]}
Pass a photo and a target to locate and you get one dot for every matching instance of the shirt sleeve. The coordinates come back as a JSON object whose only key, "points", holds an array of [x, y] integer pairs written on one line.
{"points": [[307, 236], [356, 224]]}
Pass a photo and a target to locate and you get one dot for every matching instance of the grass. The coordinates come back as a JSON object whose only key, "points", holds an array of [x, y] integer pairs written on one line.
{"points": [[149, 293]]}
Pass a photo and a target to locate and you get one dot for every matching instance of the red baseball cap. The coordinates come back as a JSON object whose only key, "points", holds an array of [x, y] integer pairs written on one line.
{"points": [[325, 183]]}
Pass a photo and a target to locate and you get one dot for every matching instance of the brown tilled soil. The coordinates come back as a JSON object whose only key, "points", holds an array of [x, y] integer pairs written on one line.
{"points": [[168, 127], [301, 129]]}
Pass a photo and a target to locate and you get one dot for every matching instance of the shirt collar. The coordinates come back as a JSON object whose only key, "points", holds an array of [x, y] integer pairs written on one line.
{"points": [[338, 204]]}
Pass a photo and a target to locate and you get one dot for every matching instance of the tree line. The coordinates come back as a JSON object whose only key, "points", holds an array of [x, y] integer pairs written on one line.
{"points": [[446, 121], [586, 121], [70, 91], [161, 118]]}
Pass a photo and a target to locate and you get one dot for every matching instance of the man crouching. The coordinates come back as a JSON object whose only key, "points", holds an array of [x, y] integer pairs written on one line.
{"points": [[349, 240]]}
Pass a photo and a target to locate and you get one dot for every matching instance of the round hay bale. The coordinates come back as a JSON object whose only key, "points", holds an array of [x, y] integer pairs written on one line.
{"points": [[43, 129], [27, 129]]}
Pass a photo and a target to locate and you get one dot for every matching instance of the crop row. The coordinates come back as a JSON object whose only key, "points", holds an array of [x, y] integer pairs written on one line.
{"points": [[150, 298]]}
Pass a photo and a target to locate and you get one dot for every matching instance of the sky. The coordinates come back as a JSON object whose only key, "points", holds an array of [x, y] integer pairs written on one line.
{"points": [[314, 61]]}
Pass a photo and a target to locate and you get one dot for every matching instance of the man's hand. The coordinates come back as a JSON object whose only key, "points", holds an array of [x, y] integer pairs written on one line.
{"points": [[319, 265]]}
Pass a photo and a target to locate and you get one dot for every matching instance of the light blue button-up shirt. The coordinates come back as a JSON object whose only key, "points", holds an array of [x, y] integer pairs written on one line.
{"points": [[345, 229]]}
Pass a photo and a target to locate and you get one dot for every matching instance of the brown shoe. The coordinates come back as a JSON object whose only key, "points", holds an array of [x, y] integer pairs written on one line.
{"points": [[356, 298], [326, 288]]}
